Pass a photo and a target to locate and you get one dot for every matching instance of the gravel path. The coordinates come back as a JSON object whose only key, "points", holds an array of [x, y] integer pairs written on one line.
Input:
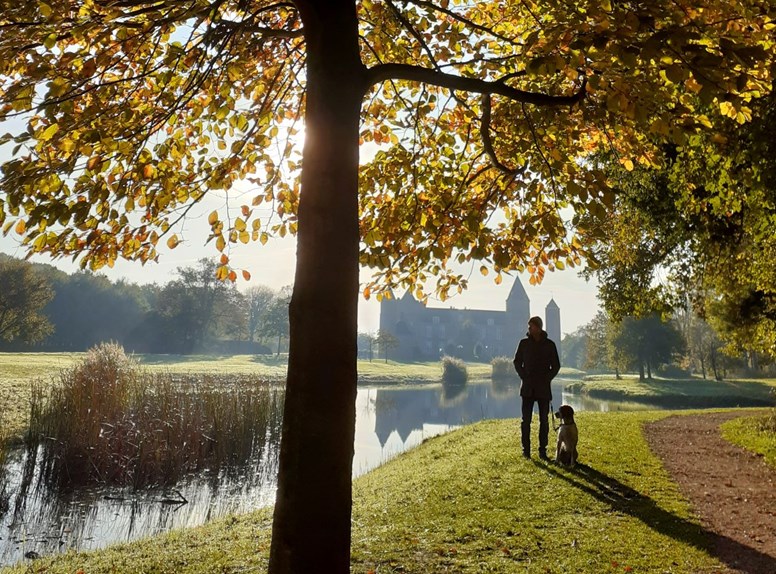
{"points": [[732, 490]]}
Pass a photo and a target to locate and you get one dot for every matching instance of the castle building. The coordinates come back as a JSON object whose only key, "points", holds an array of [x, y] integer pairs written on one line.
{"points": [[552, 322], [426, 333]]}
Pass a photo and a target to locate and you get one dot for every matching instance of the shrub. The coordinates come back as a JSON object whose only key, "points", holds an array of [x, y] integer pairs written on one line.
{"points": [[503, 368], [454, 372]]}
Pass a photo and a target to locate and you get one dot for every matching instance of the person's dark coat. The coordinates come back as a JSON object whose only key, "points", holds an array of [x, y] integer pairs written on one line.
{"points": [[537, 363]]}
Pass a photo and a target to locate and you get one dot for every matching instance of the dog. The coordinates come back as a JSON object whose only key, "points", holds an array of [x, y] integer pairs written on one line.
{"points": [[568, 437]]}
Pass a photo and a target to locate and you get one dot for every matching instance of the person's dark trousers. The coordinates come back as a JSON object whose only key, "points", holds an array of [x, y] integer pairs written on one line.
{"points": [[544, 425]]}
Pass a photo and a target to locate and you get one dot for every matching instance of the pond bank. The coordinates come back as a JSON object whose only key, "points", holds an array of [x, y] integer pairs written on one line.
{"points": [[678, 393], [467, 502]]}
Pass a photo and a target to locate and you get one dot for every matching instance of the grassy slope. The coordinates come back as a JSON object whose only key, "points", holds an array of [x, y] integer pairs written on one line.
{"points": [[466, 502]]}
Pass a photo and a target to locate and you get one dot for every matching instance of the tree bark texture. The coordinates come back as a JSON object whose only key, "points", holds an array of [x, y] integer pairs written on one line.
{"points": [[312, 521]]}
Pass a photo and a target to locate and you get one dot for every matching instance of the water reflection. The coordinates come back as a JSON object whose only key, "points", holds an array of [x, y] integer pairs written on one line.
{"points": [[37, 518]]}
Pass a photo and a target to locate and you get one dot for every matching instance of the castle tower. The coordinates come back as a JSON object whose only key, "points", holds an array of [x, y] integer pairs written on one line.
{"points": [[518, 313], [552, 322]]}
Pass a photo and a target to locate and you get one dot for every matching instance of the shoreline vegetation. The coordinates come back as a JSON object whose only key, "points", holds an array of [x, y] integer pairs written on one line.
{"points": [[18, 371], [425, 511], [464, 501]]}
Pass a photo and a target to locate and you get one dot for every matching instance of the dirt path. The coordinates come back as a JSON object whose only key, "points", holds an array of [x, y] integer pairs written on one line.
{"points": [[732, 490]]}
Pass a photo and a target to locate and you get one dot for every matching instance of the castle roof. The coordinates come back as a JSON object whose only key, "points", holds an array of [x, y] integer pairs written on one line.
{"points": [[517, 293], [552, 305]]}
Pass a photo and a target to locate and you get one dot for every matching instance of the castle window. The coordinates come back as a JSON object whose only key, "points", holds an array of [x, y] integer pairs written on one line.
{"points": [[429, 331], [490, 322], [435, 320]]}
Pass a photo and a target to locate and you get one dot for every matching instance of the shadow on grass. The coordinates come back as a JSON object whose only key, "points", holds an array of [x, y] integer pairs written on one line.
{"points": [[627, 500]]}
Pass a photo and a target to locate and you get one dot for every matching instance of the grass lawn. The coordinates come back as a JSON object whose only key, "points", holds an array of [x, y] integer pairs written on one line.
{"points": [[756, 433], [17, 371], [467, 502], [694, 392]]}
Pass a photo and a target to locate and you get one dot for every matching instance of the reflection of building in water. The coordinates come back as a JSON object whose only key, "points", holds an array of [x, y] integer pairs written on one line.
{"points": [[408, 410], [424, 333]]}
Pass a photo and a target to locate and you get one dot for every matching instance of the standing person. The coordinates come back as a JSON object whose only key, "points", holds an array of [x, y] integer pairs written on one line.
{"points": [[537, 363]]}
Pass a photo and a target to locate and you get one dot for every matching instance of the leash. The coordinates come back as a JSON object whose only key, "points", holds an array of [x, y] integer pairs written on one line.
{"points": [[552, 410]]}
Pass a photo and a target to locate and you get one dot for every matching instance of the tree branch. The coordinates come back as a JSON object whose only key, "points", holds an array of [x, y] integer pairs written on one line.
{"points": [[383, 72], [487, 142]]}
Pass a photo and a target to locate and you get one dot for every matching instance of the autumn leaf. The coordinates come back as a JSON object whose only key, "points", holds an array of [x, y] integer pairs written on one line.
{"points": [[246, 275], [93, 162]]}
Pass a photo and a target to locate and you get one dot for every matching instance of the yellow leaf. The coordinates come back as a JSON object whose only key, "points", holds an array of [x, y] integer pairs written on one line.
{"points": [[220, 243], [628, 163], [498, 279], [484, 270], [222, 273], [21, 227], [49, 132], [727, 109], [148, 171], [173, 241], [213, 218]]}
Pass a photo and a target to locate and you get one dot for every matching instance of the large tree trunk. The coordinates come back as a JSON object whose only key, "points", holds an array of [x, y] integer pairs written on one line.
{"points": [[311, 528]]}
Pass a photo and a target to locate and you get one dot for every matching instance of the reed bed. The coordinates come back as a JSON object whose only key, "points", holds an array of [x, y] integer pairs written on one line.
{"points": [[108, 421]]}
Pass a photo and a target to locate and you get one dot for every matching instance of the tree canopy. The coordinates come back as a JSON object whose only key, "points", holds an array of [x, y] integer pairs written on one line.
{"points": [[23, 295], [136, 109], [697, 234], [483, 114]]}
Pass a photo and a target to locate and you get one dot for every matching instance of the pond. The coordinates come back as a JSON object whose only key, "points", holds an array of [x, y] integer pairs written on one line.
{"points": [[38, 518]]}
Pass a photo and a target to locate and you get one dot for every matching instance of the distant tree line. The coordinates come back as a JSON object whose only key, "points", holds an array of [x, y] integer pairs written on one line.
{"points": [[45, 309], [680, 346]]}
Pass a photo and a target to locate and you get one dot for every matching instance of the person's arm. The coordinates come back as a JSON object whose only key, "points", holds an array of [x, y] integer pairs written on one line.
{"points": [[520, 360], [554, 360]]}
